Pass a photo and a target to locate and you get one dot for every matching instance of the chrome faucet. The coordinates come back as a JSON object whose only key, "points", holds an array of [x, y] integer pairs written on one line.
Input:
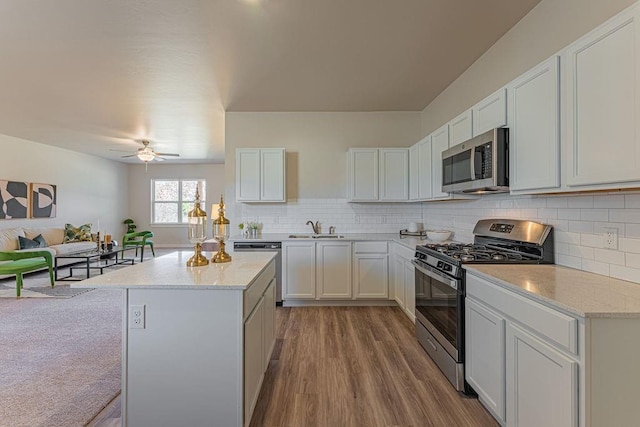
{"points": [[316, 226]]}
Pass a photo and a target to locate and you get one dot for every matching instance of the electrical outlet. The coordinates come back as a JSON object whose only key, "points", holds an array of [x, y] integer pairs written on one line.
{"points": [[610, 238], [136, 317]]}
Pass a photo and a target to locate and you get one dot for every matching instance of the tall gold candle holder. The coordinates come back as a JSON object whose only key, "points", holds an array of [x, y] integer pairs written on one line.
{"points": [[221, 231], [197, 233]]}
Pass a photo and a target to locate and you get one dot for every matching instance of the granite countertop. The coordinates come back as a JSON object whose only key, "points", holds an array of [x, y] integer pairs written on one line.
{"points": [[578, 292], [408, 241], [170, 271]]}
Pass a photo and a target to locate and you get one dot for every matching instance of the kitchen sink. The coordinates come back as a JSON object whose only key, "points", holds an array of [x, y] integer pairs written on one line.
{"points": [[316, 236]]}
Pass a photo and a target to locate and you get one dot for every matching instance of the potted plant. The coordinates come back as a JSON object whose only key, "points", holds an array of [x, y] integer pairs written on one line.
{"points": [[131, 227]]}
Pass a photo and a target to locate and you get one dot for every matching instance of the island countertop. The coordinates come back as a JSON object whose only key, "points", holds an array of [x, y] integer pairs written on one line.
{"points": [[170, 272], [577, 292]]}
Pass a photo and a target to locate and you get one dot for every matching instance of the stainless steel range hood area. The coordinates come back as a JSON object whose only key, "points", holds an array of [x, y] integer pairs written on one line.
{"points": [[478, 165]]}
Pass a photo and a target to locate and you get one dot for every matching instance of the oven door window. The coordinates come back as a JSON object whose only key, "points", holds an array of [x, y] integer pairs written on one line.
{"points": [[457, 168], [438, 303]]}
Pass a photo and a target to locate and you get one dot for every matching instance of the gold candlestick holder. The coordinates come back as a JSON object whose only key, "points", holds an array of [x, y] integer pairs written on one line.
{"points": [[221, 234], [197, 232]]}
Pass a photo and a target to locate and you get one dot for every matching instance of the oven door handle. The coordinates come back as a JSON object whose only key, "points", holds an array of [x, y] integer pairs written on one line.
{"points": [[452, 283], [472, 163]]}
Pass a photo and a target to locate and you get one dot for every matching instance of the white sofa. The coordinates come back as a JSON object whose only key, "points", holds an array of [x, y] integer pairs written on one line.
{"points": [[52, 235]]}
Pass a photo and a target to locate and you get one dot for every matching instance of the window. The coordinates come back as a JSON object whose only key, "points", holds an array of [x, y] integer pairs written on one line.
{"points": [[172, 199]]}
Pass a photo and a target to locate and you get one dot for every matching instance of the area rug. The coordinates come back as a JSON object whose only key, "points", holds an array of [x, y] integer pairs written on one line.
{"points": [[60, 362]]}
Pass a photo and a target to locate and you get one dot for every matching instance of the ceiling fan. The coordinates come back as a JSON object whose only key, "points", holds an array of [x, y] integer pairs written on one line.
{"points": [[147, 154]]}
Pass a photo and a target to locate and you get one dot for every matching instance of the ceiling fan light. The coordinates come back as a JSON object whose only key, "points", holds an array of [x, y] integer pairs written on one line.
{"points": [[146, 155]]}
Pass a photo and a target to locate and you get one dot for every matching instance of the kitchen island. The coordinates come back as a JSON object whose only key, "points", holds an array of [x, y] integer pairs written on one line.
{"points": [[196, 340]]}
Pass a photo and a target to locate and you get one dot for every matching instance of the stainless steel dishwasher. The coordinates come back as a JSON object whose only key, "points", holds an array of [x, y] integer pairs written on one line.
{"points": [[265, 247]]}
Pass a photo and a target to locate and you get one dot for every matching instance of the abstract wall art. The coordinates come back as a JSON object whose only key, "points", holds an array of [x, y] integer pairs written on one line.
{"points": [[14, 199], [43, 201]]}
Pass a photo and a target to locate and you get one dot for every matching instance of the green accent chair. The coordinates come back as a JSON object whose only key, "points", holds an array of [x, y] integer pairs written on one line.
{"points": [[139, 239], [23, 262]]}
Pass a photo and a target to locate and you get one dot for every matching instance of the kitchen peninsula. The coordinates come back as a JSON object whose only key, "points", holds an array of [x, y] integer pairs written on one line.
{"points": [[196, 340]]}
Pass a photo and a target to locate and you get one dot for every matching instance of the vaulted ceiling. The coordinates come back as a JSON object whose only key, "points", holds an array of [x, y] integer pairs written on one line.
{"points": [[92, 76]]}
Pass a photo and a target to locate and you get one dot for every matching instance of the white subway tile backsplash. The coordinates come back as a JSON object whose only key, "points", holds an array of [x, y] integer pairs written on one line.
{"points": [[632, 231], [572, 214], [583, 252], [569, 261], [594, 214], [609, 201], [557, 202], [632, 201], [595, 267], [581, 226], [625, 215], [626, 244], [580, 202], [625, 273], [609, 256], [567, 237], [591, 240], [632, 260]]}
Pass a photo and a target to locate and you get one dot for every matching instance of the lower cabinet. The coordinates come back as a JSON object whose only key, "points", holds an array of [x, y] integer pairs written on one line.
{"points": [[333, 270], [542, 383], [398, 280], [404, 278], [371, 270], [299, 270], [259, 341], [485, 352]]}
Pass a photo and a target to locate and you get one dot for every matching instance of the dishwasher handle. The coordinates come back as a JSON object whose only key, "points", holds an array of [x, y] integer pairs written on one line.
{"points": [[265, 246]]}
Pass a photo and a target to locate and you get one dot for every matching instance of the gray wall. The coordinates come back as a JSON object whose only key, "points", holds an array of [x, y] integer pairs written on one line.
{"points": [[139, 192], [89, 189]]}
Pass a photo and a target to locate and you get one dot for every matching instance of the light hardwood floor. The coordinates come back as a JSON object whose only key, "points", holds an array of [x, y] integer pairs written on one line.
{"points": [[351, 366]]}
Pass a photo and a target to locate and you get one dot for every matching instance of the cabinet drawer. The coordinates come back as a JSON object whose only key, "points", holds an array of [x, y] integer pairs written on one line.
{"points": [[253, 294], [371, 247], [549, 323], [404, 252]]}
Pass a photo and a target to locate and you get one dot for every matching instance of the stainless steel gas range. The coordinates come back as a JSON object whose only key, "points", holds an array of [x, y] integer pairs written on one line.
{"points": [[440, 288]]}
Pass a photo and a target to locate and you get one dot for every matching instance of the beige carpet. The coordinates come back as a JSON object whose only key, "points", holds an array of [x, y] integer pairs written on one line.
{"points": [[60, 359]]}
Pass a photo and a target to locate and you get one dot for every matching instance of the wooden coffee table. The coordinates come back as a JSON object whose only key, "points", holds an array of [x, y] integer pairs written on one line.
{"points": [[94, 260]]}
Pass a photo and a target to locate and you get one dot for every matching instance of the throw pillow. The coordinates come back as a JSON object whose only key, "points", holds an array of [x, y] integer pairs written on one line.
{"points": [[37, 242], [77, 234]]}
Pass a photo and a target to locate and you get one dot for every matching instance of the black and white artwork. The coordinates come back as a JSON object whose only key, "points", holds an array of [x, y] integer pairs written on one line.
{"points": [[43, 201], [14, 199]]}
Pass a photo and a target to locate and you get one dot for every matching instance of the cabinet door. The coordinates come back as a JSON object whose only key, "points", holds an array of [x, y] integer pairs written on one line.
{"points": [[394, 174], [490, 113], [363, 174], [414, 172], [425, 185], [371, 274], [439, 143], [602, 104], [299, 270], [460, 128], [333, 261], [272, 176], [542, 383], [398, 280], [534, 131], [253, 359], [247, 174], [409, 279], [484, 359], [269, 323]]}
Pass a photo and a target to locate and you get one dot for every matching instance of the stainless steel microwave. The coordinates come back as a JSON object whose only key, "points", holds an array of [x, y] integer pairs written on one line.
{"points": [[479, 165]]}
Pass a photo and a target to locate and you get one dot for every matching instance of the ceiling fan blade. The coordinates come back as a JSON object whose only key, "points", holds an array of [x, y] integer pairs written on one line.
{"points": [[120, 151], [130, 155], [168, 154], [160, 159]]}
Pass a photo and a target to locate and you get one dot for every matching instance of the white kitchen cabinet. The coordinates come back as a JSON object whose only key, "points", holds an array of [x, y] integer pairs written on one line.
{"points": [[362, 174], [254, 358], [404, 279], [398, 280], [542, 383], [371, 270], [334, 276], [490, 113], [461, 128], [425, 179], [260, 175], [602, 105], [269, 323], [439, 143], [378, 174], [485, 356], [299, 269], [414, 172], [409, 277], [534, 129]]}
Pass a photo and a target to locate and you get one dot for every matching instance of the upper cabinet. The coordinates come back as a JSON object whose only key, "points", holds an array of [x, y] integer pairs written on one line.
{"points": [[490, 113], [420, 166], [260, 175], [534, 129], [439, 143], [461, 128], [602, 105], [378, 174]]}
